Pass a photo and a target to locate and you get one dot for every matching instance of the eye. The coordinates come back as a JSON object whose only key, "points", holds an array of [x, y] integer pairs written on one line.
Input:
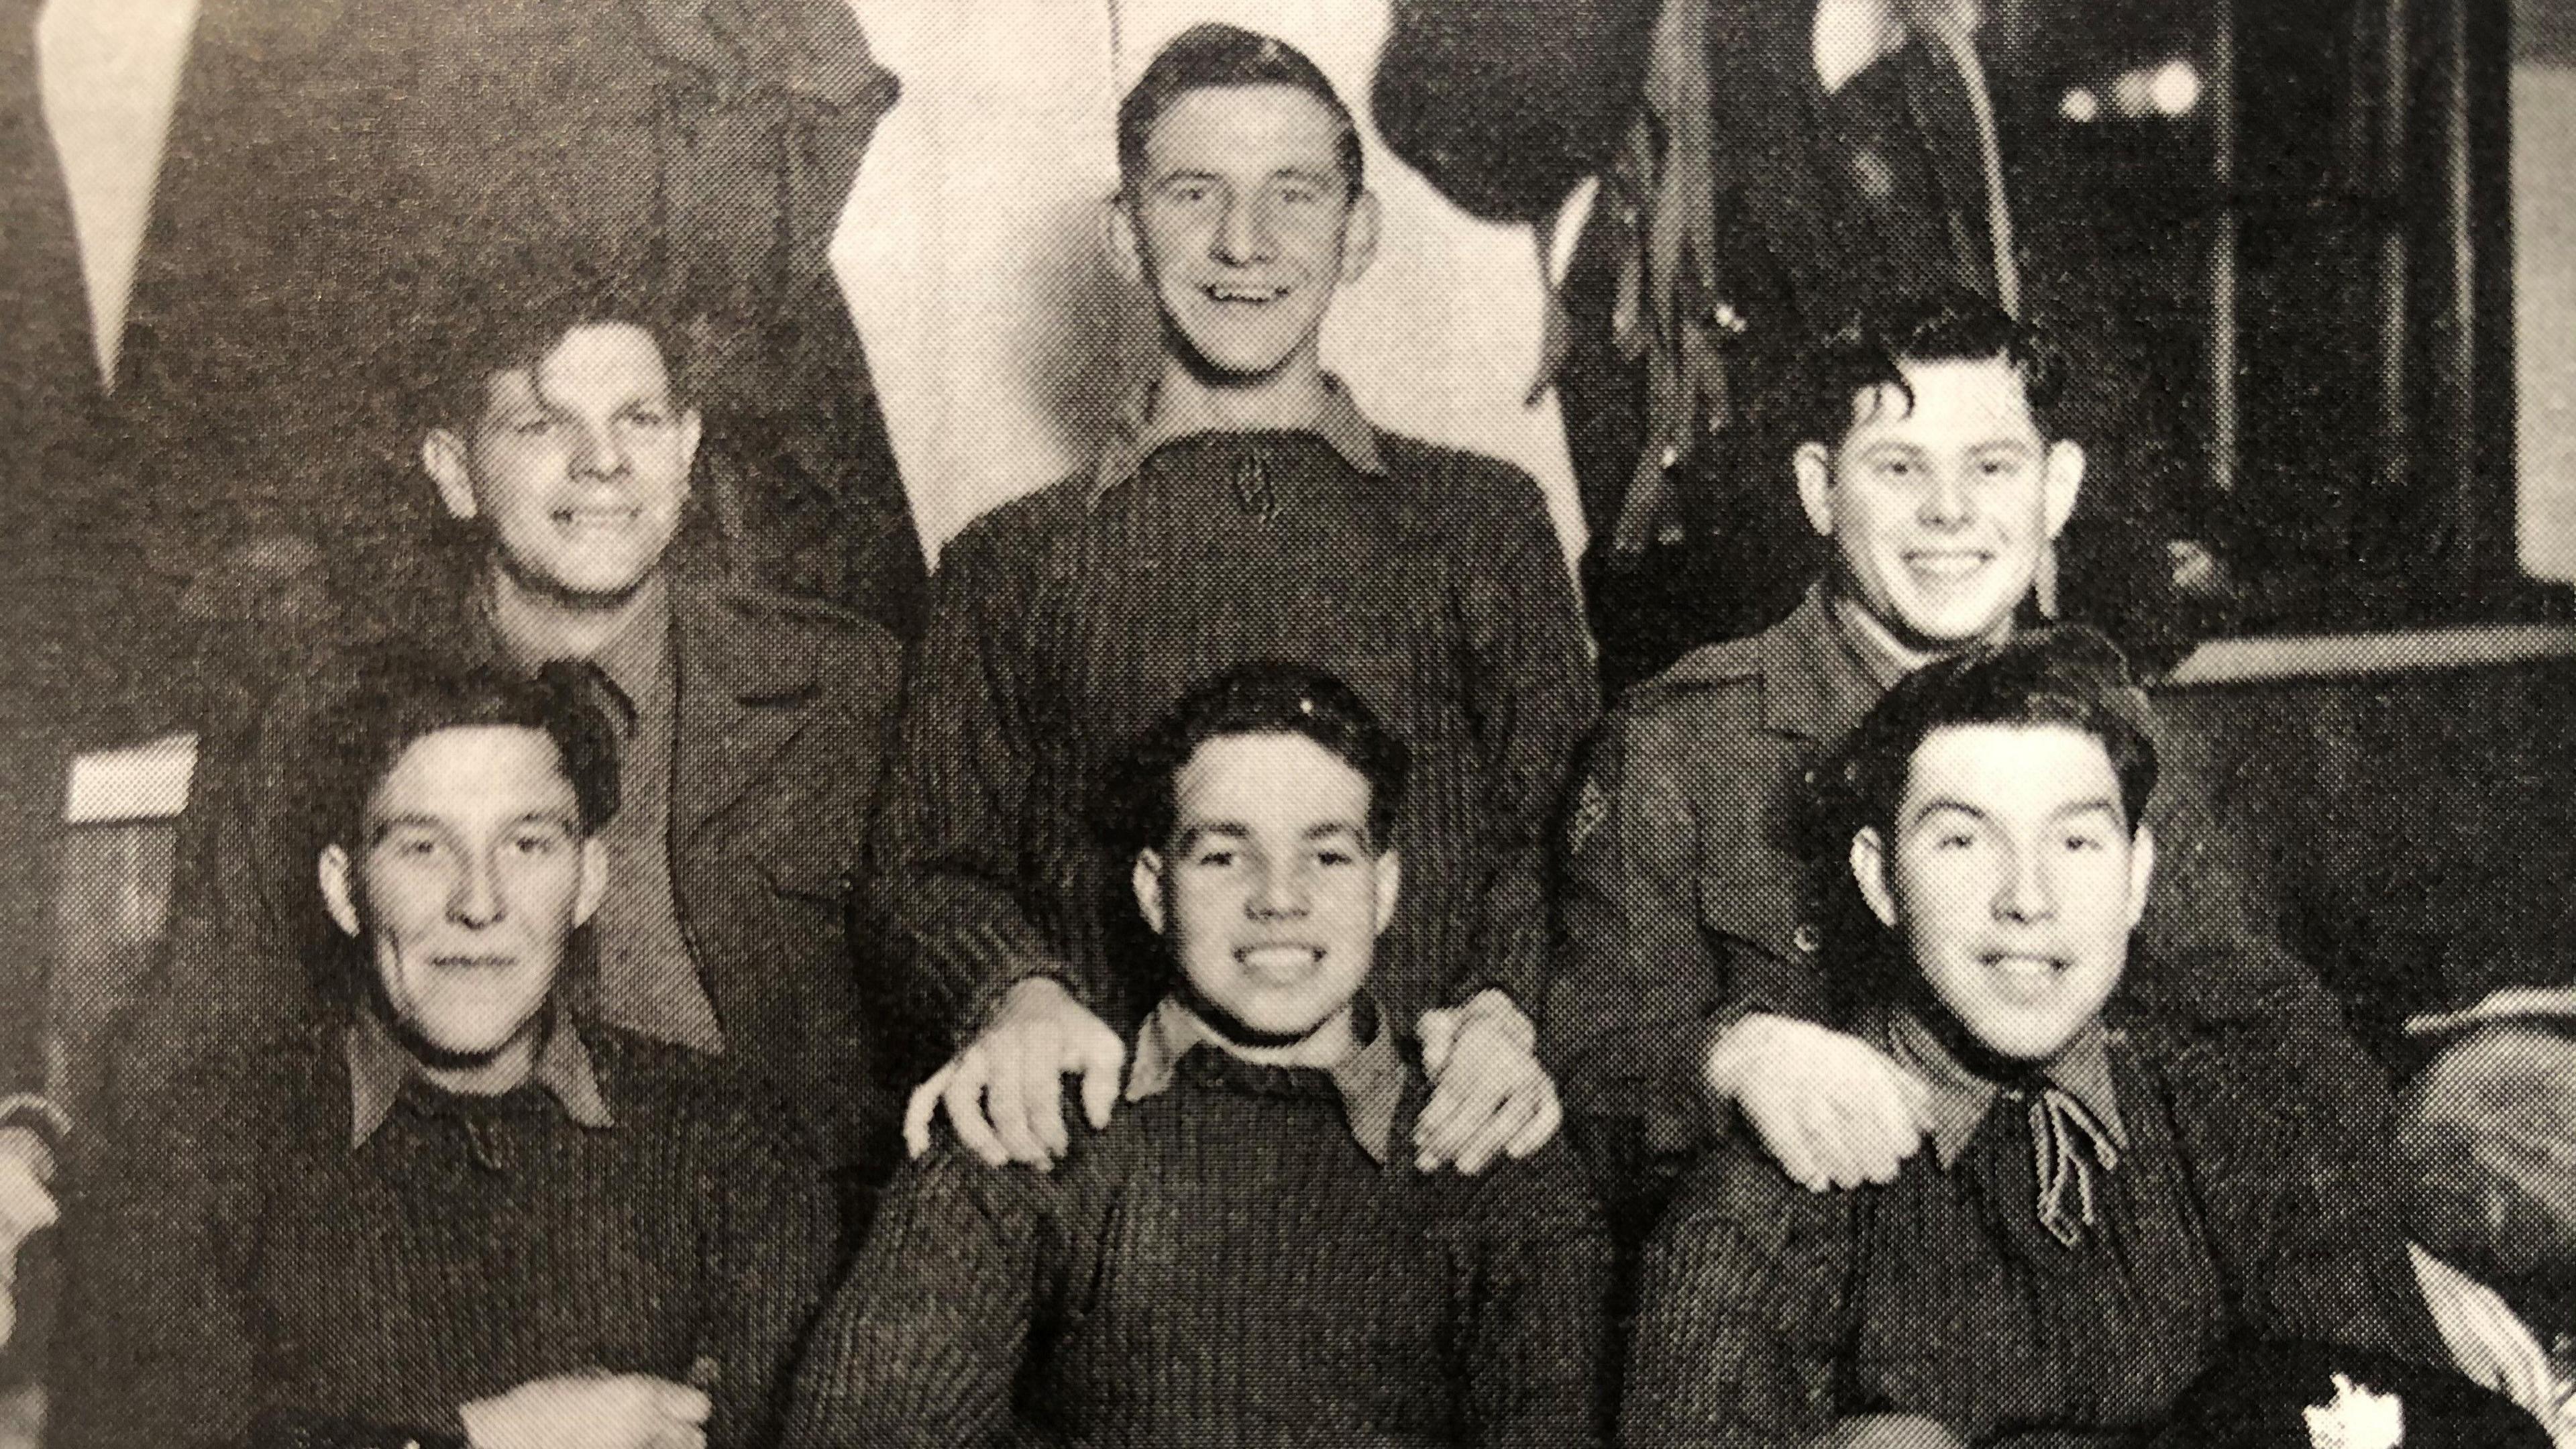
{"points": [[536, 842], [532, 427], [1333, 855], [1895, 468], [648, 417], [1215, 858]]}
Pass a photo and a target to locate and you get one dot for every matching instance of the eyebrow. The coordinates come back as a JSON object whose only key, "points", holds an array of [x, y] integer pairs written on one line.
{"points": [[392, 823], [2103, 804]]}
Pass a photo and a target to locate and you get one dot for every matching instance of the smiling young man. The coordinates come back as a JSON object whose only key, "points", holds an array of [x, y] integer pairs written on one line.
{"points": [[2109, 1203], [560, 433], [449, 1212], [1247, 1255], [1697, 897], [1243, 510]]}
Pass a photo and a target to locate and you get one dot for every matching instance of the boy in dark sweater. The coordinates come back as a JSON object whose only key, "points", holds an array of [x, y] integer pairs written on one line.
{"points": [[2107, 1203], [1243, 510], [456, 1215], [1244, 1256]]}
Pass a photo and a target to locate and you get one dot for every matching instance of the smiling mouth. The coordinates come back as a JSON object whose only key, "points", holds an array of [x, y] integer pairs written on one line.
{"points": [[474, 963], [600, 520], [1282, 964], [1234, 294], [2024, 977], [1948, 563]]}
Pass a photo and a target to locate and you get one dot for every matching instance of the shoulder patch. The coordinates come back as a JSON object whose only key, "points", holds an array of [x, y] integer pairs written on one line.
{"points": [[1591, 807]]}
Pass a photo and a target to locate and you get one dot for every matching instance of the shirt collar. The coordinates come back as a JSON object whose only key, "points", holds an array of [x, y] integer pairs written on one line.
{"points": [[636, 659], [378, 1067], [1371, 1078], [1960, 1099], [1141, 429]]}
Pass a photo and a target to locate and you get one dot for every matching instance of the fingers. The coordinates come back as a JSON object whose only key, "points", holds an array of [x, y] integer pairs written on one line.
{"points": [[1541, 1127], [1103, 1067], [1438, 1031], [1006, 1101], [682, 1404], [1042, 1107], [964, 1099], [1487, 1142], [922, 1108]]}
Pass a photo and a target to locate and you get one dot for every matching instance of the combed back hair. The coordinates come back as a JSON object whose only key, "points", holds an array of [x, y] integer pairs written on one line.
{"points": [[1217, 57], [395, 698], [493, 316], [1140, 799], [1872, 349], [2065, 675]]}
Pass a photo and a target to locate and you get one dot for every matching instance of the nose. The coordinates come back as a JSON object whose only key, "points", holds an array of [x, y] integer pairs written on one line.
{"points": [[1243, 234], [475, 899], [598, 452], [1944, 503], [2025, 893], [1279, 892]]}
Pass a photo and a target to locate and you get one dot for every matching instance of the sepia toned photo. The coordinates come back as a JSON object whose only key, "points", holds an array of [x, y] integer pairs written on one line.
{"points": [[1311, 724]]}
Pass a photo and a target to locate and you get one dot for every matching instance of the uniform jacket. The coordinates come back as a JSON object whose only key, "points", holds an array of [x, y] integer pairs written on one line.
{"points": [[1696, 888], [783, 707]]}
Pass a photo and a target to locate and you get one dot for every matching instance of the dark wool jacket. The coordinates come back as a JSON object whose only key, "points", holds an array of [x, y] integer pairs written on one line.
{"points": [[1696, 886], [783, 709], [1066, 621], [1228, 1263], [245, 1276], [1768, 1311]]}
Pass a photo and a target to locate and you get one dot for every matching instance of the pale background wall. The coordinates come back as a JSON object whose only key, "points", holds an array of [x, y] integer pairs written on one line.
{"points": [[970, 251], [2544, 282]]}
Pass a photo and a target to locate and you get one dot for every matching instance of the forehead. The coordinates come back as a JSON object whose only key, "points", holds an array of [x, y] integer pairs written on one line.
{"points": [[593, 360], [2009, 771], [1244, 129], [1283, 781], [474, 773], [1963, 401]]}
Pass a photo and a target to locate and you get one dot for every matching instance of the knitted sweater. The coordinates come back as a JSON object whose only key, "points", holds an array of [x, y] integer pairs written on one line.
{"points": [[1226, 1264], [245, 1276], [1767, 1312], [1064, 622]]}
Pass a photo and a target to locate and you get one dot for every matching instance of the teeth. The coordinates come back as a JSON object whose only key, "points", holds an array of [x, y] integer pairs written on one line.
{"points": [[1280, 960], [1246, 294], [1947, 565]]}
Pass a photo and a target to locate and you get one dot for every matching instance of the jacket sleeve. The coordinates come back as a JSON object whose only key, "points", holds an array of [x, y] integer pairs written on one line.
{"points": [[923, 1341], [1740, 1313], [946, 843], [1532, 697], [1537, 1309], [1504, 107], [776, 1239]]}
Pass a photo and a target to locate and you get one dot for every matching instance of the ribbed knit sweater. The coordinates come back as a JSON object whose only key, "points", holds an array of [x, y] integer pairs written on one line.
{"points": [[243, 1275], [1064, 622], [1226, 1264]]}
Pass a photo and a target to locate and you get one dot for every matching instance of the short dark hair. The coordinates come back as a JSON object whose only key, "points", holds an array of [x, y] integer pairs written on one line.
{"points": [[1212, 57], [396, 696], [490, 316], [1140, 802], [2059, 675], [1872, 348]]}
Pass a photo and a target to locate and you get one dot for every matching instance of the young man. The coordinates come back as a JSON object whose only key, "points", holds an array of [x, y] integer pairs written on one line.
{"points": [[1696, 900], [2109, 1202], [562, 436], [1244, 511], [451, 1212], [1247, 1255]]}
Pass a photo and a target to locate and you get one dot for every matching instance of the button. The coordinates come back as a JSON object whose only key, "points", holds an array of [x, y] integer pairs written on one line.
{"points": [[1809, 939]]}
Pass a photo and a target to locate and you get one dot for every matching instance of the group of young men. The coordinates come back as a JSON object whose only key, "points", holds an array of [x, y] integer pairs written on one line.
{"points": [[551, 975]]}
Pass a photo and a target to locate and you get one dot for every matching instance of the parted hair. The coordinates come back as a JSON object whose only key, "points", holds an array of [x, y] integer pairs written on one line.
{"points": [[1139, 804], [486, 316], [2063, 674], [1212, 57], [397, 696], [1871, 349]]}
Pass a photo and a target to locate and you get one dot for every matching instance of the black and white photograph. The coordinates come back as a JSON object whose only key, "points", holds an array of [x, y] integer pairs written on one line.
{"points": [[1303, 724]]}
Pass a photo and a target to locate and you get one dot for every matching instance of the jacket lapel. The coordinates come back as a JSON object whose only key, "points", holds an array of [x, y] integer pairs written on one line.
{"points": [[736, 671]]}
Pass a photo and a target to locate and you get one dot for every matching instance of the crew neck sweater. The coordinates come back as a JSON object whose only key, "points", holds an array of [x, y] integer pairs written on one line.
{"points": [[1225, 1264]]}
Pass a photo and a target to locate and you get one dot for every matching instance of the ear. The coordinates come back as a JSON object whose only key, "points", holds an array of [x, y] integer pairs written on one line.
{"points": [[594, 880], [2142, 873], [1360, 231], [1147, 881], [1869, 872], [1119, 237], [448, 459], [2061, 478], [339, 891], [1390, 884], [1814, 465]]}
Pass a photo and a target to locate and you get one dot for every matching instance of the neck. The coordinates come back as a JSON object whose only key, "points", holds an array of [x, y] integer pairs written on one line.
{"points": [[1328, 1045], [569, 626], [486, 1074], [1291, 397]]}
